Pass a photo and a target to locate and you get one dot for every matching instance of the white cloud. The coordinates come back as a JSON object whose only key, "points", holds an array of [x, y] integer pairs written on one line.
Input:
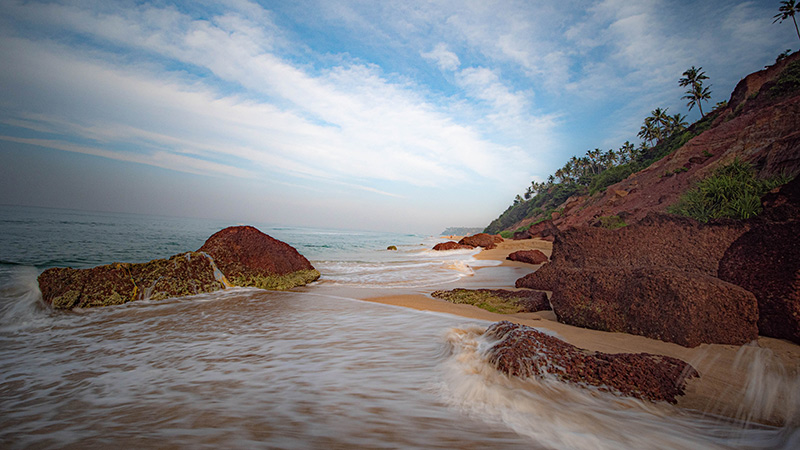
{"points": [[344, 123], [444, 58]]}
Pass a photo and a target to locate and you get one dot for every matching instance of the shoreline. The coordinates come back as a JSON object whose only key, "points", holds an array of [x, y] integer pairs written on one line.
{"points": [[725, 370]]}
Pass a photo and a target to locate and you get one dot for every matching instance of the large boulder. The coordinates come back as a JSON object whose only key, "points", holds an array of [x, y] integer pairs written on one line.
{"points": [[528, 256], [231, 257], [766, 262], [656, 278], [661, 303], [249, 257], [523, 351], [487, 241]]}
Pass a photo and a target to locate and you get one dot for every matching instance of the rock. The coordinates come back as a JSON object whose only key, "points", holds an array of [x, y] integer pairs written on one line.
{"points": [[246, 257], [766, 262], [523, 351], [783, 203], [249, 257], [487, 241], [545, 278], [657, 240], [391, 247], [451, 245], [542, 229], [528, 256], [498, 300], [114, 284], [657, 302], [656, 278]]}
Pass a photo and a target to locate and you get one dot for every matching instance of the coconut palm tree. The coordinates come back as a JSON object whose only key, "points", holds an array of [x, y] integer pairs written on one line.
{"points": [[788, 9], [677, 123], [693, 77], [628, 151]]}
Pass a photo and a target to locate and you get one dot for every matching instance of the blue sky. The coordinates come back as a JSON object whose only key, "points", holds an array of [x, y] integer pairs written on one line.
{"points": [[403, 116]]}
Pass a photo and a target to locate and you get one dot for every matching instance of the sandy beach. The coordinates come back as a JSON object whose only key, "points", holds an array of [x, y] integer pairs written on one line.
{"points": [[758, 382]]}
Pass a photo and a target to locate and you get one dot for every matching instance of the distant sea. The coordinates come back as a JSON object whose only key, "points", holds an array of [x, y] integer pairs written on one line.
{"points": [[311, 368]]}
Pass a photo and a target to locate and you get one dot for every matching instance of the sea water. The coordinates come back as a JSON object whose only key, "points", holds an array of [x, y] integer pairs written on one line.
{"points": [[311, 368]]}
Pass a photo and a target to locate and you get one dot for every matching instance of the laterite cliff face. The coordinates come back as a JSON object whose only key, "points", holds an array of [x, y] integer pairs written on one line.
{"points": [[754, 127]]}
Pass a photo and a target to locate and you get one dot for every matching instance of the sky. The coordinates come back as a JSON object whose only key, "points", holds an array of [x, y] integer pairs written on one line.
{"points": [[406, 116]]}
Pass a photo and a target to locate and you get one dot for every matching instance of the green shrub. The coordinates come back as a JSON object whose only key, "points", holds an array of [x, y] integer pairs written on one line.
{"points": [[611, 176], [788, 82], [506, 234], [733, 191], [612, 222]]}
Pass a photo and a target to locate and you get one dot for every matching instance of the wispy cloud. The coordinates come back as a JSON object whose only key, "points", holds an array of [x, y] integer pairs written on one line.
{"points": [[382, 98]]}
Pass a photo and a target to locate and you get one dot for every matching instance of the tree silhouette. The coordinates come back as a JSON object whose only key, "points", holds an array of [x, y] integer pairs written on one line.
{"points": [[788, 9]]}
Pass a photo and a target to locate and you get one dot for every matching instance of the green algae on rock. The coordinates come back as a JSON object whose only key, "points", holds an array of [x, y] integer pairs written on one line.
{"points": [[278, 282], [497, 300], [247, 257]]}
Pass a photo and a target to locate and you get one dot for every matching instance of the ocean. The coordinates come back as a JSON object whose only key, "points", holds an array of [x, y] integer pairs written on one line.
{"points": [[310, 368]]}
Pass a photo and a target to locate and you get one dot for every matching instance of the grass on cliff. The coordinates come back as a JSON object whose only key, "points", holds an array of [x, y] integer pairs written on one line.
{"points": [[732, 192]]}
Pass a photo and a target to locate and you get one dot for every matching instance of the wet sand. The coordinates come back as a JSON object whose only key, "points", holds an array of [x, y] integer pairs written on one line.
{"points": [[759, 382]]}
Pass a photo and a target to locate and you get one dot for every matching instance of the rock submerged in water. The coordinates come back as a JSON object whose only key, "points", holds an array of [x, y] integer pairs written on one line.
{"points": [[523, 351], [235, 256]]}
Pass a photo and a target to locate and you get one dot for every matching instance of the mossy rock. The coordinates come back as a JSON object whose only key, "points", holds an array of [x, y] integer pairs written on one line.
{"points": [[277, 282], [497, 300]]}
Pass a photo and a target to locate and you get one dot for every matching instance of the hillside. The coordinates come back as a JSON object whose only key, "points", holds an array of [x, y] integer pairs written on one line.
{"points": [[760, 125]]}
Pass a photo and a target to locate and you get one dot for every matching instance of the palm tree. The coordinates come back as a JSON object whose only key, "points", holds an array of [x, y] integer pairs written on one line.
{"points": [[677, 123], [693, 77], [628, 151], [788, 9]]}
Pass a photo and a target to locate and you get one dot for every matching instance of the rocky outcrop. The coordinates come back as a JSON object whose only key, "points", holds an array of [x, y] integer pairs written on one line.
{"points": [[114, 284], [544, 230], [487, 241], [523, 351], [451, 245], [528, 256], [239, 261], [756, 127], [497, 300], [249, 257], [661, 303], [656, 278], [766, 262]]}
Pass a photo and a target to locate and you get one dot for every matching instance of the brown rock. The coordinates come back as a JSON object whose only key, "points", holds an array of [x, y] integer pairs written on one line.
{"points": [[528, 256], [541, 230], [656, 278], [245, 255], [658, 240], [487, 241], [783, 203], [660, 303], [525, 352], [451, 245], [766, 262], [249, 257], [545, 278]]}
